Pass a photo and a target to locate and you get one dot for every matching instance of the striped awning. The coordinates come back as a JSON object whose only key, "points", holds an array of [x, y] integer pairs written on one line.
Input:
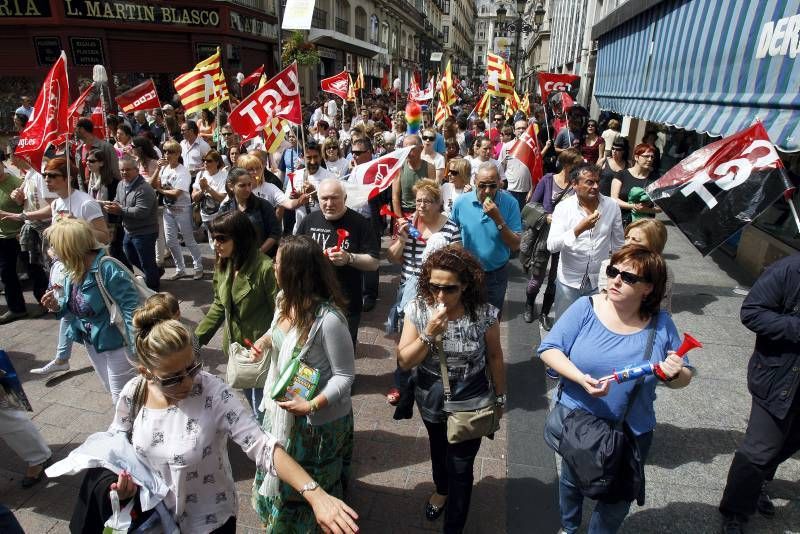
{"points": [[708, 66]]}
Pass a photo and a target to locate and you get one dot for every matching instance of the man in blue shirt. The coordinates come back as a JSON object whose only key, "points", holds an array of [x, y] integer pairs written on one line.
{"points": [[490, 224]]}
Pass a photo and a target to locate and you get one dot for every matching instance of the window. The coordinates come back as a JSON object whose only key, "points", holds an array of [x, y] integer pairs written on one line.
{"points": [[446, 31]]}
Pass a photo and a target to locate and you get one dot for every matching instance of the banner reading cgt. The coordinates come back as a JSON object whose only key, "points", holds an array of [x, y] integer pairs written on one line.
{"points": [[279, 97]]}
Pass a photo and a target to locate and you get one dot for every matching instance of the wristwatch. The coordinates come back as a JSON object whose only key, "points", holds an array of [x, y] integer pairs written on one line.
{"points": [[309, 486], [500, 227], [501, 400]]}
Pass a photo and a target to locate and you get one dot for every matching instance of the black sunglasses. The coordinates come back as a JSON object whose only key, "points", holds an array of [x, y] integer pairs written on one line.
{"points": [[449, 289], [91, 161], [357, 152], [176, 380], [428, 138], [628, 278], [487, 186], [220, 238], [52, 174], [452, 172]]}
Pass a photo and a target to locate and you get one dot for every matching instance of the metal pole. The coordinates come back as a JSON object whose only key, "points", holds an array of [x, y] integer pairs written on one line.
{"points": [[280, 32]]}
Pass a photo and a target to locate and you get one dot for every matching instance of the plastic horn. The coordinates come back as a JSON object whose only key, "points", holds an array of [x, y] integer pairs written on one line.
{"points": [[412, 230], [250, 345], [633, 373], [341, 234], [688, 344], [290, 175]]}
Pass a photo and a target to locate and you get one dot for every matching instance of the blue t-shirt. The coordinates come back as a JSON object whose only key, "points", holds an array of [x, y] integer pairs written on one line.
{"points": [[479, 233], [597, 351]]}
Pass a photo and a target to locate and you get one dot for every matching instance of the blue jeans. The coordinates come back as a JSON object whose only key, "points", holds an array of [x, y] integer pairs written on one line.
{"points": [[566, 295], [606, 518], [254, 395], [141, 251], [64, 349], [496, 283]]}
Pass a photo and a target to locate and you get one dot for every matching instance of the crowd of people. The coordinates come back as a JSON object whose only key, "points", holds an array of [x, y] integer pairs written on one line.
{"points": [[296, 265]]}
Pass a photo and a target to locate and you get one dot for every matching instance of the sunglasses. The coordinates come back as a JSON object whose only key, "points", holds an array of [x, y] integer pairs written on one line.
{"points": [[52, 174], [487, 186], [452, 172], [220, 238], [448, 289], [428, 138], [91, 161], [628, 278], [498, 118], [209, 161], [357, 152], [176, 380]]}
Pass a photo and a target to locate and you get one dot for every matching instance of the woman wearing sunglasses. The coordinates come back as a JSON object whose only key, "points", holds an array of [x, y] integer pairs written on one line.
{"points": [[103, 182], [180, 418], [334, 161], [602, 334], [429, 153], [451, 306], [456, 182], [244, 288]]}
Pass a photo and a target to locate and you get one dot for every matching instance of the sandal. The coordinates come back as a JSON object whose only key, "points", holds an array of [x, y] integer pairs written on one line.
{"points": [[393, 396]]}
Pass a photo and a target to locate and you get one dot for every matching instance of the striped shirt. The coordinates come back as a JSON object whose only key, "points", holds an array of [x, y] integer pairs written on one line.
{"points": [[414, 248]]}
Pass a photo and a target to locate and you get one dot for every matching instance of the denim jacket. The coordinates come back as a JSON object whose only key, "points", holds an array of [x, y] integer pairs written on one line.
{"points": [[98, 329]]}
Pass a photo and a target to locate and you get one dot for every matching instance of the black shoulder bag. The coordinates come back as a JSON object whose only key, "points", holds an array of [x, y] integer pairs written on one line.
{"points": [[603, 455]]}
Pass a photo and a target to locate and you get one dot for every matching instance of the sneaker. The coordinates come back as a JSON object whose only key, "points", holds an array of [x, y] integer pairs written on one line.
{"points": [[530, 313], [55, 366], [198, 274], [764, 504], [10, 317], [732, 525], [177, 275]]}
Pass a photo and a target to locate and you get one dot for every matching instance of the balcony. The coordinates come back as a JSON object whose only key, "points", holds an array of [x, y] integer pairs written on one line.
{"points": [[361, 33], [319, 19], [258, 5], [342, 26]]}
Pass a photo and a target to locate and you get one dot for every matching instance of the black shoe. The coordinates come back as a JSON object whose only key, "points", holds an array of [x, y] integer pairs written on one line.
{"points": [[29, 482], [432, 512], [732, 525], [764, 504], [369, 304], [530, 313], [546, 322]]}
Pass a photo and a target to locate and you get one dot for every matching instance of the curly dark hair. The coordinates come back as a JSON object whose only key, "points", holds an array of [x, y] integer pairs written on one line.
{"points": [[304, 289], [457, 260]]}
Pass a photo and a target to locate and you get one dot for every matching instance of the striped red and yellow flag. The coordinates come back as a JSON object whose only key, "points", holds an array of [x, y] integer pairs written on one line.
{"points": [[351, 90], [501, 79], [482, 107], [359, 85], [447, 85], [274, 133], [204, 86], [525, 105]]}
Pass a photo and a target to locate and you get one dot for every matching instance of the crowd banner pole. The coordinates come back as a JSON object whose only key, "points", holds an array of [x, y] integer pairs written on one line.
{"points": [[789, 195], [546, 121]]}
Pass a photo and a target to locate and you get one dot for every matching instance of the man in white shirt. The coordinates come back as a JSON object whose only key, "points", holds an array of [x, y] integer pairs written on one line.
{"points": [[193, 147], [518, 175], [331, 109], [307, 179], [586, 229], [484, 154]]}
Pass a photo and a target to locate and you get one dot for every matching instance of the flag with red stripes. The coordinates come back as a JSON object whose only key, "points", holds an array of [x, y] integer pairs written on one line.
{"points": [[204, 86], [253, 77]]}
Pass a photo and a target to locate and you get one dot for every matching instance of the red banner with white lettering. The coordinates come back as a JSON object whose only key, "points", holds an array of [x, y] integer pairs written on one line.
{"points": [[253, 77], [280, 97], [338, 85], [526, 150], [549, 82], [50, 117], [721, 187], [142, 97]]}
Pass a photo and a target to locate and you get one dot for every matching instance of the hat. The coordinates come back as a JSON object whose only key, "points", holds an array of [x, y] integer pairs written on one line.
{"points": [[167, 107]]}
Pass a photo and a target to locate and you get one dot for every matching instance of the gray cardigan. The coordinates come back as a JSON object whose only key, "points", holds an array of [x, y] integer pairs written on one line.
{"points": [[139, 207]]}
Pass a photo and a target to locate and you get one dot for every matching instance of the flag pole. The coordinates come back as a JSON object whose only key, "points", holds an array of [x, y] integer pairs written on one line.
{"points": [[789, 196]]}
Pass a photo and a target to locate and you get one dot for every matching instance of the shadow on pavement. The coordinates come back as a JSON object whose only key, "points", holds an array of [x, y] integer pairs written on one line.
{"points": [[72, 373], [675, 446]]}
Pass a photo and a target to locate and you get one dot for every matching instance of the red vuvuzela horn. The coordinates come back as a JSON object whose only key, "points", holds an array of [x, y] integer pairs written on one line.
{"points": [[688, 344], [342, 235], [386, 210]]}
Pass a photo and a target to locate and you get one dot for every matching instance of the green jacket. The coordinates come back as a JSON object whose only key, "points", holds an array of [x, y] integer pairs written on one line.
{"points": [[248, 300]]}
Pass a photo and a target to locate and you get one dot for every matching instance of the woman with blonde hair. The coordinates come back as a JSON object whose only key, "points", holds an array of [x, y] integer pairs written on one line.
{"points": [[92, 284], [334, 161], [429, 153], [173, 412], [457, 183]]}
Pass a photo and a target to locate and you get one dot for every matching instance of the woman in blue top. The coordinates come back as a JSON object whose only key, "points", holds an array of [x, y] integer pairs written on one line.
{"points": [[602, 334], [83, 304]]}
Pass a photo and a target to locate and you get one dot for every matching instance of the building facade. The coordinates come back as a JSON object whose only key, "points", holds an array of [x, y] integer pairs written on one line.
{"points": [[458, 29]]}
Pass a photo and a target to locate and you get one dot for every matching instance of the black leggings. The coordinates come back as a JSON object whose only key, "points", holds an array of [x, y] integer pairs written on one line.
{"points": [[452, 474]]}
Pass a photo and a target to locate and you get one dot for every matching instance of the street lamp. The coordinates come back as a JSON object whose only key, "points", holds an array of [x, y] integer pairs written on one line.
{"points": [[519, 25]]}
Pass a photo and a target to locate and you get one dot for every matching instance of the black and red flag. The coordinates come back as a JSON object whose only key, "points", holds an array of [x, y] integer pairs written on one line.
{"points": [[722, 187]]}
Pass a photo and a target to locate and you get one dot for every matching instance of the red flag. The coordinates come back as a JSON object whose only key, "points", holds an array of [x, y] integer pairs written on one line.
{"points": [[385, 86], [722, 187], [526, 150], [253, 77], [50, 116], [280, 97], [380, 173], [549, 81], [141, 97], [99, 123], [566, 101], [338, 85], [75, 112]]}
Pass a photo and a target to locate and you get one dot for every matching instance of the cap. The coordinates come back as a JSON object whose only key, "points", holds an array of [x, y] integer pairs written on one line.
{"points": [[167, 107]]}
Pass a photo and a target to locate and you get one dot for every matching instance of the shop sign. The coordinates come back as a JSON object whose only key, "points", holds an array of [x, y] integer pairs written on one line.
{"points": [[86, 51], [48, 50], [25, 8], [327, 53], [779, 38], [253, 26], [140, 12], [204, 50]]}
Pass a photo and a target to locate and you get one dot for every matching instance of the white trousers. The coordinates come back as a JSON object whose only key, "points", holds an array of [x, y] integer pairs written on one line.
{"points": [[113, 367], [22, 436], [161, 244], [180, 220]]}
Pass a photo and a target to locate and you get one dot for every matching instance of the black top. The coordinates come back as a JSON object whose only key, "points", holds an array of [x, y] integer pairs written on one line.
{"points": [[362, 240], [628, 183], [607, 175], [772, 310], [262, 215]]}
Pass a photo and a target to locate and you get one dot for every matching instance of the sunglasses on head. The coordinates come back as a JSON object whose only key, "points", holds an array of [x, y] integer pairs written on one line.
{"points": [[220, 238], [176, 380], [628, 278], [449, 289]]}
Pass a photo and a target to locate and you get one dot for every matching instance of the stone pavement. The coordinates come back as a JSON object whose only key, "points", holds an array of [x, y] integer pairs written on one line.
{"points": [[515, 475]]}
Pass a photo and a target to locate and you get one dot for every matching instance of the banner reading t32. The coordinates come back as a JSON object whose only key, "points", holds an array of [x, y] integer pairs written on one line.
{"points": [[722, 187], [142, 97], [279, 97]]}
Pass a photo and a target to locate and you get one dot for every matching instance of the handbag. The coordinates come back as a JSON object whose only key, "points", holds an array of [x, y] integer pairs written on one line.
{"points": [[297, 379], [603, 455], [471, 418], [114, 313], [242, 373]]}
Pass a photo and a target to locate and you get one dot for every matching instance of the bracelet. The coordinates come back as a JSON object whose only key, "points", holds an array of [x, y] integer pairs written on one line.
{"points": [[426, 339], [314, 406], [350, 258]]}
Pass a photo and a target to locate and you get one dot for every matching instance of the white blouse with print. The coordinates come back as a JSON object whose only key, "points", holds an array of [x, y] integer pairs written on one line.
{"points": [[186, 445]]}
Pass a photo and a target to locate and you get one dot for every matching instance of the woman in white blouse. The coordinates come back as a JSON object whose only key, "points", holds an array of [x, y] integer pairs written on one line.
{"points": [[430, 155], [181, 429]]}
